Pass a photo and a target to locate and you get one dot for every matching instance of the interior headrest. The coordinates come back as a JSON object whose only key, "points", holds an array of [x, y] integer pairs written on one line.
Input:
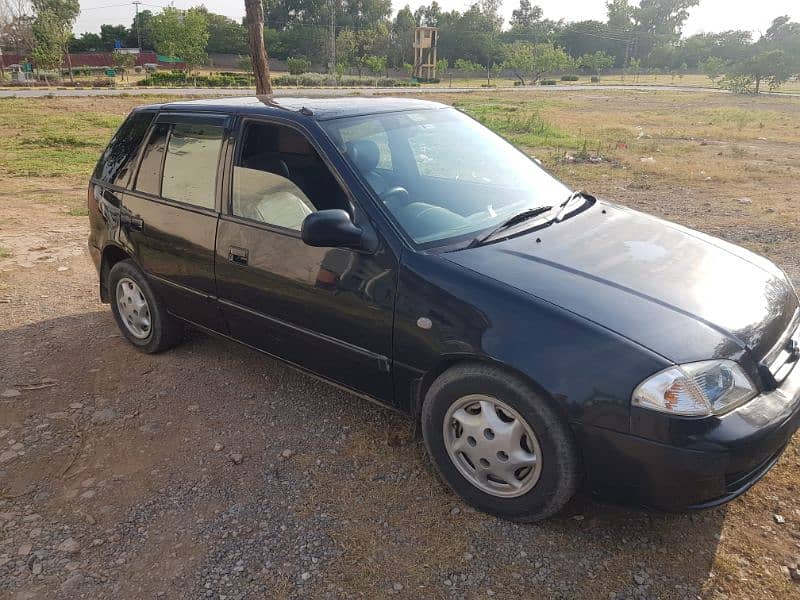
{"points": [[365, 154]]}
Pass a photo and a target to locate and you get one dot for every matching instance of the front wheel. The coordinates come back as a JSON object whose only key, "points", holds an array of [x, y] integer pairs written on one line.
{"points": [[499, 444], [140, 315]]}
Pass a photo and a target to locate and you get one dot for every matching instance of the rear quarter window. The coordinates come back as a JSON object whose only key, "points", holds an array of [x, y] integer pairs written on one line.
{"points": [[118, 161]]}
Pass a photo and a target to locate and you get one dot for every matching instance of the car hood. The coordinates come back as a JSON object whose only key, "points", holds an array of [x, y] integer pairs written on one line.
{"points": [[683, 294]]}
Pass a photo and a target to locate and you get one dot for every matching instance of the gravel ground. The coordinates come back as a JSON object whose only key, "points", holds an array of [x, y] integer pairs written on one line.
{"points": [[211, 471]]}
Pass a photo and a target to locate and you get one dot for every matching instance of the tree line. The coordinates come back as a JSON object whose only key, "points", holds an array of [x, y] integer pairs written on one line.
{"points": [[637, 37]]}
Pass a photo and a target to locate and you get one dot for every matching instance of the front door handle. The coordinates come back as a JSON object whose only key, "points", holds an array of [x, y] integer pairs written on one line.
{"points": [[237, 255]]}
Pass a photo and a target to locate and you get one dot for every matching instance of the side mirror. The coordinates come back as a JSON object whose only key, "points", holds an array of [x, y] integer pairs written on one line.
{"points": [[334, 228]]}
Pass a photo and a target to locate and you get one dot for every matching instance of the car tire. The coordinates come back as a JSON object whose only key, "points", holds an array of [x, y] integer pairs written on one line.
{"points": [[140, 315], [508, 404]]}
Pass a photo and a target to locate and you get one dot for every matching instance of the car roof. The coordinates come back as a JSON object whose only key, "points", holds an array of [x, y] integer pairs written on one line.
{"points": [[320, 109]]}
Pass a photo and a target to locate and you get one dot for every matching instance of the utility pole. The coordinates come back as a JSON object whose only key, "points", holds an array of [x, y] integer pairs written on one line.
{"points": [[136, 3], [332, 55]]}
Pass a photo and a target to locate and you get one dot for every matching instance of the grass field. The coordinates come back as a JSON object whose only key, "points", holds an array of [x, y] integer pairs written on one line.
{"points": [[724, 164]]}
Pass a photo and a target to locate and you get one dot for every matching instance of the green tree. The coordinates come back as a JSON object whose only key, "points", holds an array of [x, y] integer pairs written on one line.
{"points": [[298, 65], [771, 67], [56, 18], [596, 63], [620, 15], [588, 37], [141, 28], [346, 48], [225, 35], [403, 36], [428, 16], [714, 67], [123, 61], [467, 66], [49, 40], [634, 68], [376, 64], [659, 22], [182, 34], [109, 34], [532, 61], [526, 15], [87, 42]]}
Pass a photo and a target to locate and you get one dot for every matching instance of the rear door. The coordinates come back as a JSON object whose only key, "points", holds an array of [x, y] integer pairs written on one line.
{"points": [[172, 209], [112, 177], [328, 310]]}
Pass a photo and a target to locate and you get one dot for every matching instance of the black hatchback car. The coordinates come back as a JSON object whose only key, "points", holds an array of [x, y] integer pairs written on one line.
{"points": [[543, 338]]}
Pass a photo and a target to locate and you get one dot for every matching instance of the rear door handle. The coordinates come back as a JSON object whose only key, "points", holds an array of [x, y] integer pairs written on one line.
{"points": [[134, 223], [237, 255]]}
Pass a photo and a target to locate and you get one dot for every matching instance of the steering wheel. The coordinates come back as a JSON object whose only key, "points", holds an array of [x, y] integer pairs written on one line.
{"points": [[396, 195]]}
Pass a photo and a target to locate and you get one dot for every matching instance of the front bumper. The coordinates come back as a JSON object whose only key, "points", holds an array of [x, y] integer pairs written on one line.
{"points": [[692, 463]]}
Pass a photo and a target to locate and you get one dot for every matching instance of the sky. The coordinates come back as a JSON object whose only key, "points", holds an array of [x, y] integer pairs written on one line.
{"points": [[710, 15]]}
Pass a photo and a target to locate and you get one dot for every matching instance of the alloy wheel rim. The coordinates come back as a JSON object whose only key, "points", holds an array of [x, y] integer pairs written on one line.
{"points": [[492, 446], [133, 308]]}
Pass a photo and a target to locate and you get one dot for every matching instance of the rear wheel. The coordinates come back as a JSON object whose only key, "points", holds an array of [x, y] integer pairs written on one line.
{"points": [[499, 444], [140, 315]]}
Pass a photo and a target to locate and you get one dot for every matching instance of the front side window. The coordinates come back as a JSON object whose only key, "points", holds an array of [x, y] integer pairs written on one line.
{"points": [[117, 163], [190, 165], [279, 179], [451, 177]]}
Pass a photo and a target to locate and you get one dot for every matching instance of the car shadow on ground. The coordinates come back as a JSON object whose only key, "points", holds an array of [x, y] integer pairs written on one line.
{"points": [[387, 516]]}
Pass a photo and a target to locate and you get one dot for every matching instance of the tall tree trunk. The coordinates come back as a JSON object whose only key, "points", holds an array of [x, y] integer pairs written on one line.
{"points": [[254, 12], [69, 65]]}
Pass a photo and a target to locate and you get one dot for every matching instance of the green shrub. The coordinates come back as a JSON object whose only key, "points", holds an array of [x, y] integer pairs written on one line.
{"points": [[180, 79], [570, 78], [548, 82], [165, 78], [595, 79], [323, 80], [298, 65], [738, 83]]}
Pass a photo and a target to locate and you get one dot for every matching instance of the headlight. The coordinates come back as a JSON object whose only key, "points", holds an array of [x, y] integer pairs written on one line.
{"points": [[696, 389]]}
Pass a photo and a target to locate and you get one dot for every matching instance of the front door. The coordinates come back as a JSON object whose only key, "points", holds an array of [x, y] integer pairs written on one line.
{"points": [[328, 310]]}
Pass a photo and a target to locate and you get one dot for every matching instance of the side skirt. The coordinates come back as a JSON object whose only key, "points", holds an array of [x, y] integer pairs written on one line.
{"points": [[296, 367]]}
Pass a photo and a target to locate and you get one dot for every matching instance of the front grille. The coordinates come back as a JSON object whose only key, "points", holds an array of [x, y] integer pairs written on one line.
{"points": [[786, 353]]}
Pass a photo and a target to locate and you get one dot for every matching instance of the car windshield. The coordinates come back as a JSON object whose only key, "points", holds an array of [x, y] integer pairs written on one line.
{"points": [[442, 175]]}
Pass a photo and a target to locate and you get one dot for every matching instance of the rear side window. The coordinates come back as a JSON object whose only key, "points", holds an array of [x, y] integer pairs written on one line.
{"points": [[190, 166], [149, 178], [118, 160]]}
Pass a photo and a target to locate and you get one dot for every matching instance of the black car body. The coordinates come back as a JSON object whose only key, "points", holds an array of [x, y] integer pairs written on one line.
{"points": [[582, 309]]}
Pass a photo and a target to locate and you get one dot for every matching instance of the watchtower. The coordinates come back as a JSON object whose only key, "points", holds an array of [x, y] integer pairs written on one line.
{"points": [[425, 41]]}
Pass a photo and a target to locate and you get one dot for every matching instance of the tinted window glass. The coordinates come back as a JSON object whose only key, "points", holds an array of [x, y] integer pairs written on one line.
{"points": [[190, 167], [370, 130], [280, 179], [462, 179], [117, 162], [149, 177]]}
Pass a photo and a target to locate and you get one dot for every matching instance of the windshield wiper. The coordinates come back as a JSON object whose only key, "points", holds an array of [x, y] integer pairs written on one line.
{"points": [[516, 219], [562, 208]]}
